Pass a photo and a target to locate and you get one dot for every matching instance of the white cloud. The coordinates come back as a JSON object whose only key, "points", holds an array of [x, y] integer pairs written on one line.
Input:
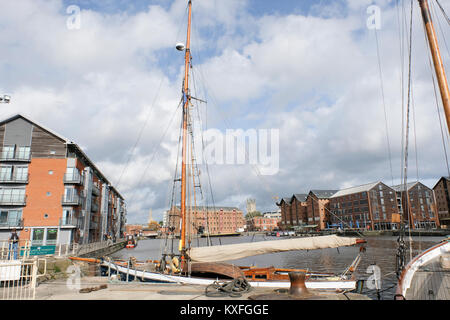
{"points": [[315, 78]]}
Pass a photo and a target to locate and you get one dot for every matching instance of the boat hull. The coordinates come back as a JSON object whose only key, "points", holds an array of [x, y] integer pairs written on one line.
{"points": [[406, 278], [165, 278]]}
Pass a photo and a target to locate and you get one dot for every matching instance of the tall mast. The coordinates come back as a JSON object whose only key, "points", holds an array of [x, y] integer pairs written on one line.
{"points": [[186, 100], [437, 60]]}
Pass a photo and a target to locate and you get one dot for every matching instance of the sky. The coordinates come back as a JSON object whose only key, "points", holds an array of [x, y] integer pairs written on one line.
{"points": [[106, 75]]}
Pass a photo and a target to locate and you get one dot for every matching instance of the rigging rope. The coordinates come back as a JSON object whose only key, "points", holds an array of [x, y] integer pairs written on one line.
{"points": [[384, 106], [144, 124], [436, 100], [443, 12]]}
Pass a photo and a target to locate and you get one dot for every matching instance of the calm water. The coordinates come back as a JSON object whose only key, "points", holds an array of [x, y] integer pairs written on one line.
{"points": [[379, 251]]}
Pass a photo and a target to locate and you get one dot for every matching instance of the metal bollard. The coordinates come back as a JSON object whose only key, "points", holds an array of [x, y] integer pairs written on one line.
{"points": [[298, 287]]}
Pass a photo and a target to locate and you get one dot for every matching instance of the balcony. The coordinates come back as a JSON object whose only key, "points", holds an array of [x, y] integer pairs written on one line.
{"points": [[68, 222], [13, 200], [93, 225], [15, 178], [73, 178], [94, 206], [18, 156], [72, 200], [12, 223], [95, 190]]}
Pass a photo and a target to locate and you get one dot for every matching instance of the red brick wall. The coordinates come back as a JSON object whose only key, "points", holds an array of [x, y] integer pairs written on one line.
{"points": [[38, 202]]}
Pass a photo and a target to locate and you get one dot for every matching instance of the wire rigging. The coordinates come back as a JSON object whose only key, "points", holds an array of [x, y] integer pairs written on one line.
{"points": [[430, 64], [384, 107]]}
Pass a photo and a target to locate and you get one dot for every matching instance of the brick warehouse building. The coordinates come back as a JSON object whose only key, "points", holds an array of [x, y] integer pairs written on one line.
{"points": [[420, 203], [215, 220], [306, 209], [441, 193], [293, 210], [370, 206], [318, 206], [50, 191], [262, 223]]}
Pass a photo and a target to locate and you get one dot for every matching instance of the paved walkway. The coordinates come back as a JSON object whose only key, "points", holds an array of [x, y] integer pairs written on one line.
{"points": [[66, 290]]}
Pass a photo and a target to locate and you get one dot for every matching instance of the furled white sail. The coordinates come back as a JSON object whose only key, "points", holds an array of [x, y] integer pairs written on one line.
{"points": [[242, 250]]}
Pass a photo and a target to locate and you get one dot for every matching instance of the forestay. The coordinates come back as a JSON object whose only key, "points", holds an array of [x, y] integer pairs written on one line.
{"points": [[242, 250]]}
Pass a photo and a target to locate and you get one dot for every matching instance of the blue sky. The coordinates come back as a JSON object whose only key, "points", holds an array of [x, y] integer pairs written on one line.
{"points": [[306, 68]]}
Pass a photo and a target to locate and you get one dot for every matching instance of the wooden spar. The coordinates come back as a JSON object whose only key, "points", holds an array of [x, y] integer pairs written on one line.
{"points": [[437, 60], [186, 98]]}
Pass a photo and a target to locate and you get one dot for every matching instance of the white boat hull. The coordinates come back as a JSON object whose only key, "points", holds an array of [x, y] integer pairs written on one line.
{"points": [[158, 277], [422, 259]]}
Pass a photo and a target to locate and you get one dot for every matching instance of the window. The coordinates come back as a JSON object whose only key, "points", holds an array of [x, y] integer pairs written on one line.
{"points": [[38, 237], [21, 173], [24, 153], [52, 236], [8, 152], [12, 195], [5, 173], [3, 217]]}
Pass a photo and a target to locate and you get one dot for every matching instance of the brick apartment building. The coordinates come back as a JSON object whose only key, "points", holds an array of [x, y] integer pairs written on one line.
{"points": [[214, 220], [50, 191], [442, 198], [422, 211], [371, 206]]}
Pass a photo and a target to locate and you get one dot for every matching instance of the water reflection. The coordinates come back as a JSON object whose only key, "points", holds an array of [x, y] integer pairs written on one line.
{"points": [[379, 251]]}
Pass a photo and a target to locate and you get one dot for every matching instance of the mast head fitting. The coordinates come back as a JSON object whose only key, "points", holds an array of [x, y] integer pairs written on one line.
{"points": [[180, 46]]}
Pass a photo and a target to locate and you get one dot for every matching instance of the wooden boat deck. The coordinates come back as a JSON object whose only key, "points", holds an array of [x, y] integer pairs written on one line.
{"points": [[430, 282]]}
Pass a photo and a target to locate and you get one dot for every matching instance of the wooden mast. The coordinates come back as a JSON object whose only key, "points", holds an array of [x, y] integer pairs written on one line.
{"points": [[437, 60], [186, 100]]}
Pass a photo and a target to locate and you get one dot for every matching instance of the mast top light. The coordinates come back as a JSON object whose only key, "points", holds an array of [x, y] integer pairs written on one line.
{"points": [[180, 46]]}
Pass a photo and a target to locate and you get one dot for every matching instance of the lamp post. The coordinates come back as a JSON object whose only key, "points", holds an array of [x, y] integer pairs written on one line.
{"points": [[5, 99]]}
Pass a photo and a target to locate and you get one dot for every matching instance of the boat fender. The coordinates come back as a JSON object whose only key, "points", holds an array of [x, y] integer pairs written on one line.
{"points": [[174, 265], [175, 262]]}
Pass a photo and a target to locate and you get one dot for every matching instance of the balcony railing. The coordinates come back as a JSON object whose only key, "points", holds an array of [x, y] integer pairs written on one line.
{"points": [[8, 199], [15, 178], [71, 222], [74, 178], [74, 200], [18, 156], [12, 223]]}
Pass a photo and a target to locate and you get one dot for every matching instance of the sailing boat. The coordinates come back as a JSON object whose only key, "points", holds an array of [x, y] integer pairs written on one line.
{"points": [[425, 276], [204, 265]]}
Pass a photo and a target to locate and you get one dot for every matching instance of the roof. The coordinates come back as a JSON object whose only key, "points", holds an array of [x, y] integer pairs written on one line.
{"points": [[286, 200], [64, 139], [353, 190], [300, 197], [401, 187], [323, 194], [17, 116], [446, 178]]}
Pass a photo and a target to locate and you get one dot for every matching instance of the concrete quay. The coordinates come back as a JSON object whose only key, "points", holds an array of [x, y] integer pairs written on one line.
{"points": [[67, 289]]}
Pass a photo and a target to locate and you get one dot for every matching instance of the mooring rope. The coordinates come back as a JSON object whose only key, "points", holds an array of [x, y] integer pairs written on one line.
{"points": [[234, 288]]}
